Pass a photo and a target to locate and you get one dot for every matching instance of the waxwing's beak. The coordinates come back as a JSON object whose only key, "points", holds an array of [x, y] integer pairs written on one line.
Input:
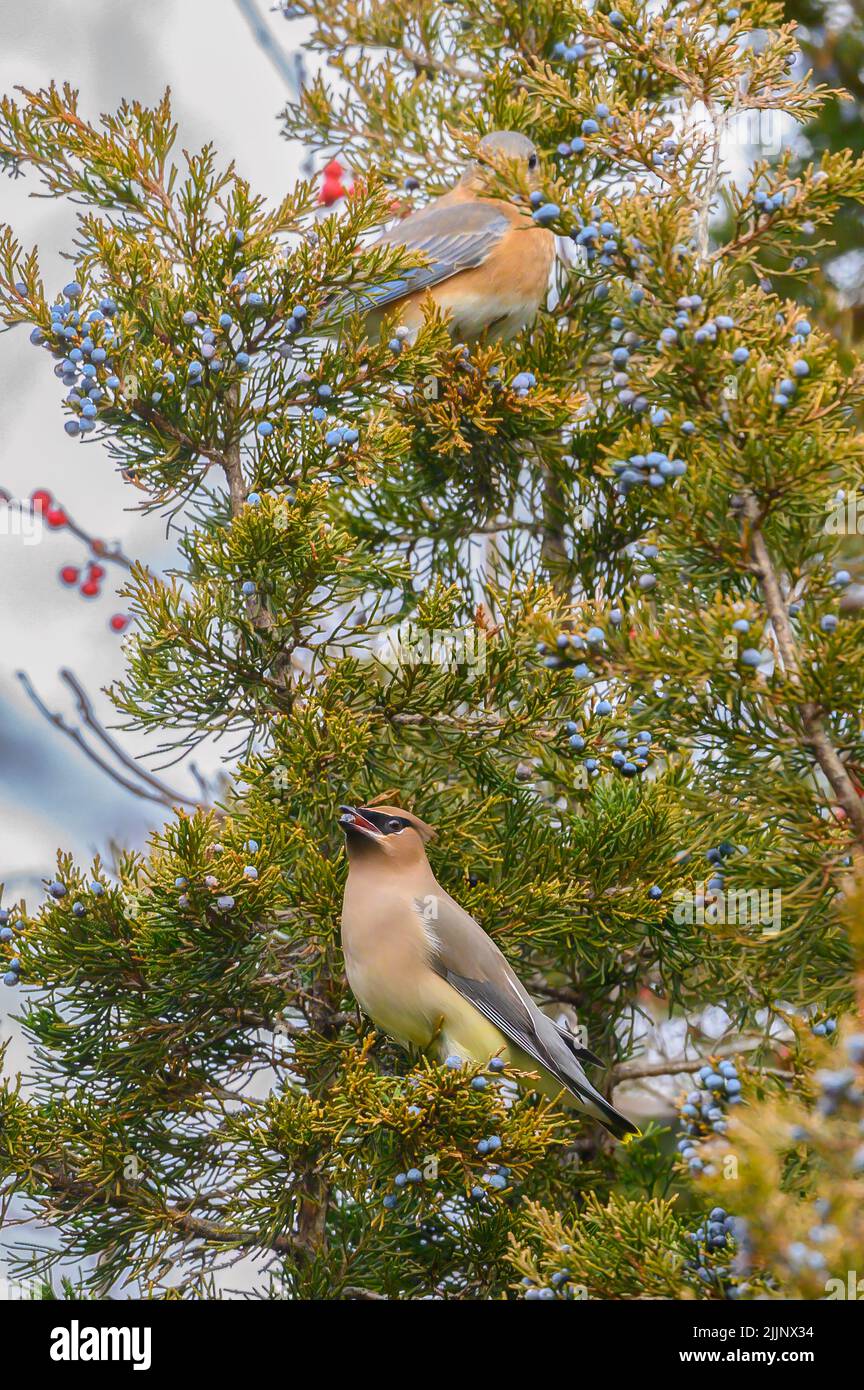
{"points": [[353, 820]]}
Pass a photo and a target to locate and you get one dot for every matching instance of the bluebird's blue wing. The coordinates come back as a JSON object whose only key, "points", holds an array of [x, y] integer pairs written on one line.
{"points": [[453, 236]]}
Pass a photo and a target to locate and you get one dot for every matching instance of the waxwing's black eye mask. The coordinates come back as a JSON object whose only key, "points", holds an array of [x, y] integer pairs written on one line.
{"points": [[372, 822], [387, 825]]}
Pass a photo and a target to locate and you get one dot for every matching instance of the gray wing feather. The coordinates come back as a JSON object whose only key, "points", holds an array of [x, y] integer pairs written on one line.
{"points": [[584, 1054], [471, 962]]}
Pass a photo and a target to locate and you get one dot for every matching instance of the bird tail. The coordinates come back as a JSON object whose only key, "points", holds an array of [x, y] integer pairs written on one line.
{"points": [[567, 1073], [567, 1070], [612, 1119]]}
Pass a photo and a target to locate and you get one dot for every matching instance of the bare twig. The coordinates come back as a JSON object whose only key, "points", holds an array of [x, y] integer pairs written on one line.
{"points": [[112, 553], [811, 714], [85, 709], [633, 1071], [151, 790], [269, 45]]}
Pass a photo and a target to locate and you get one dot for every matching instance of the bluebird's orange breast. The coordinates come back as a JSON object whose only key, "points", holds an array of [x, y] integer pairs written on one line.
{"points": [[498, 297]]}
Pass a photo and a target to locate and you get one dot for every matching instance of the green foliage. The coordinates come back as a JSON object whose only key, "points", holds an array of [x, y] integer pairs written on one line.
{"points": [[202, 1085], [624, 1249]]}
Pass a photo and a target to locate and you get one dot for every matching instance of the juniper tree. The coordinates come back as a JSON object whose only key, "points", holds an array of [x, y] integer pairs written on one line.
{"points": [[572, 599]]}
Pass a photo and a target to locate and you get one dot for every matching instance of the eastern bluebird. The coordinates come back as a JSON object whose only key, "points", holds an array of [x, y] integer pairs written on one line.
{"points": [[489, 263]]}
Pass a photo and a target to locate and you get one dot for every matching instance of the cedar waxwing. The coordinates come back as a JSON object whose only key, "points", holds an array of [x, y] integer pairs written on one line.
{"points": [[427, 973], [489, 262]]}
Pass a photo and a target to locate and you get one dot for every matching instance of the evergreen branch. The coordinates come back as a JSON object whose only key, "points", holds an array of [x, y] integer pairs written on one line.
{"points": [[176, 1217]]}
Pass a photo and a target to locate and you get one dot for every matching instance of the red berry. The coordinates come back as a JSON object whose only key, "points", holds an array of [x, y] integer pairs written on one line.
{"points": [[90, 588], [96, 571], [332, 187], [55, 516], [40, 499], [119, 622], [69, 574]]}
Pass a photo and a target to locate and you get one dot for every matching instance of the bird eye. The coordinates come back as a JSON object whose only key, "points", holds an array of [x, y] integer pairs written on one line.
{"points": [[394, 824], [532, 161]]}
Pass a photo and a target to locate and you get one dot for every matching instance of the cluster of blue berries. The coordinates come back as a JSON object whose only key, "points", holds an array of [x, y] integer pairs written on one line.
{"points": [[829, 622], [767, 203], [225, 902], [569, 52], [342, 437], [703, 1111], [325, 397], [716, 857], [788, 385], [12, 972], [229, 338], [843, 1085], [646, 550], [82, 342], [522, 383], [597, 236], [58, 891], [399, 341], [752, 656], [559, 1284], [295, 325], [705, 332], [497, 1176], [568, 646], [412, 1178], [841, 1091], [805, 1254], [718, 1232], [655, 469], [825, 1028], [629, 757], [208, 348], [590, 125]]}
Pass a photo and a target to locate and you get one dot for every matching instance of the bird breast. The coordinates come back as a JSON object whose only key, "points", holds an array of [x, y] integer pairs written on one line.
{"points": [[387, 952], [502, 296]]}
